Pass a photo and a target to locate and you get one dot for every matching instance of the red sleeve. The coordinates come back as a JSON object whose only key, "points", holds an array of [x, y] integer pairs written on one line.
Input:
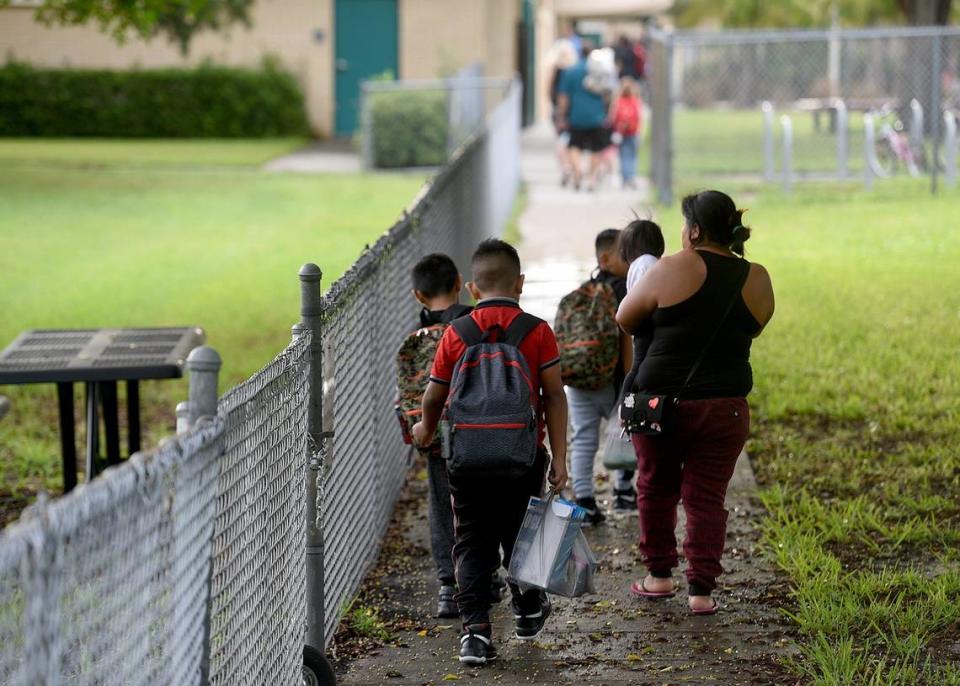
{"points": [[448, 352], [549, 351]]}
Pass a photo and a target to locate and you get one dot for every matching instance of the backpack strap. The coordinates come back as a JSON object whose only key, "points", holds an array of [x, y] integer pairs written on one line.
{"points": [[468, 330], [521, 327]]}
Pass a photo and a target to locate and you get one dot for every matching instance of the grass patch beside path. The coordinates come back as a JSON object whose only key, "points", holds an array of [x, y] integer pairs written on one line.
{"points": [[147, 247], [122, 152], [856, 437]]}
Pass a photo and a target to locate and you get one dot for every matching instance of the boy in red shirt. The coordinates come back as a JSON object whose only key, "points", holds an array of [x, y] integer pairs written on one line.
{"points": [[488, 511]]}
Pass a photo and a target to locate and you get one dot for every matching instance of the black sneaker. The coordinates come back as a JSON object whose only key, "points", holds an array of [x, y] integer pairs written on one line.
{"points": [[497, 588], [594, 513], [529, 626], [624, 500], [446, 605], [476, 646]]}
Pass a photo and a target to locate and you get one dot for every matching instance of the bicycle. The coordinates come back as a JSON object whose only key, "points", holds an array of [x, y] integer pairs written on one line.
{"points": [[893, 147]]}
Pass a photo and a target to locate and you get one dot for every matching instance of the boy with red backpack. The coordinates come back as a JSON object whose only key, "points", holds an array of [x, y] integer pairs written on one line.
{"points": [[496, 380], [627, 112]]}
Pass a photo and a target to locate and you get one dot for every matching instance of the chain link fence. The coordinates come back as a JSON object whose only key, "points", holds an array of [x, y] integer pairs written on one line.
{"points": [[186, 565], [106, 585], [708, 88]]}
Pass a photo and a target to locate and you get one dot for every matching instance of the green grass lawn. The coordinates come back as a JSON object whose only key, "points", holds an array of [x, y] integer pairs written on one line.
{"points": [[856, 432], [123, 233]]}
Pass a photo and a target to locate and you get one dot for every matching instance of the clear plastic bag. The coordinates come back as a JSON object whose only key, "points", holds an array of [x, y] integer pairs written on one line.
{"points": [[551, 552], [618, 452]]}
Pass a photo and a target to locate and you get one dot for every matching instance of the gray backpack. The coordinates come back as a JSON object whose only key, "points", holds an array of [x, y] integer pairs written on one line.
{"points": [[491, 413]]}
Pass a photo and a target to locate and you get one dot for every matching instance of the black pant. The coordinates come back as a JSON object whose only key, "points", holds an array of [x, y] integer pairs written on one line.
{"points": [[487, 514]]}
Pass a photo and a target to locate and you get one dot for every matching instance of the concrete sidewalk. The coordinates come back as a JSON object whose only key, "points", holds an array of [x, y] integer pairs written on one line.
{"points": [[611, 637]]}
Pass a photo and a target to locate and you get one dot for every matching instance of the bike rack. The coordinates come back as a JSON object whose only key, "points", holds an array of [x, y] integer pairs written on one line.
{"points": [[950, 148], [842, 137], [916, 123], [769, 166], [871, 163]]}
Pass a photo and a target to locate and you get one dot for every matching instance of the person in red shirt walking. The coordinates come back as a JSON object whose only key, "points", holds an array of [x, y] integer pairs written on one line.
{"points": [[489, 508], [627, 115]]}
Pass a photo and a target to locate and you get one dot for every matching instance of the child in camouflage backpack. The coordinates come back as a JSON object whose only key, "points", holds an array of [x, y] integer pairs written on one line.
{"points": [[436, 286], [588, 407]]}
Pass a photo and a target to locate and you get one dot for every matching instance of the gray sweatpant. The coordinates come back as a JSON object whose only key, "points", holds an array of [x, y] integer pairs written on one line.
{"points": [[441, 519]]}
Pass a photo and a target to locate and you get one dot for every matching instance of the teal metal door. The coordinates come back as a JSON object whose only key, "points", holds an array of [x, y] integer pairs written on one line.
{"points": [[365, 34]]}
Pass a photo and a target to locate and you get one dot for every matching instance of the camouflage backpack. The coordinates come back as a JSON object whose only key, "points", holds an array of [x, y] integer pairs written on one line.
{"points": [[414, 359], [588, 336]]}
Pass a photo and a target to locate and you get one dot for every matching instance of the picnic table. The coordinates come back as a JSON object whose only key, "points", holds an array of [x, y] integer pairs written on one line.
{"points": [[98, 358], [820, 106]]}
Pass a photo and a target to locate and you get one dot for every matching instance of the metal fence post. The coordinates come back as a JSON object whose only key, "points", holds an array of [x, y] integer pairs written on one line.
{"points": [[787, 126], [183, 417], [203, 363], [769, 166], [666, 171], [869, 141], [311, 312], [204, 366], [366, 125], [842, 137], [950, 148], [937, 68]]}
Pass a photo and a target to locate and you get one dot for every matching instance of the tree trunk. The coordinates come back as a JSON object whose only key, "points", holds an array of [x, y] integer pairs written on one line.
{"points": [[926, 12]]}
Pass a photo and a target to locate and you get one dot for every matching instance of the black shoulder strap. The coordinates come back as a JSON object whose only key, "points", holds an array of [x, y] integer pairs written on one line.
{"points": [[468, 330], [521, 327], [703, 353]]}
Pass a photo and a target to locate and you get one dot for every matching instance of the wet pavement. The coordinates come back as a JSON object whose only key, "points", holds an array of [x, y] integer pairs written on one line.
{"points": [[610, 637]]}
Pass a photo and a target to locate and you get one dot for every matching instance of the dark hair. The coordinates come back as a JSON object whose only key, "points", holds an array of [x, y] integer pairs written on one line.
{"points": [[434, 275], [641, 237], [495, 265], [606, 240], [718, 218]]}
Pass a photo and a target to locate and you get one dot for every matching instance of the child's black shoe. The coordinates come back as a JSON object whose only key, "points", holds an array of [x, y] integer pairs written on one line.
{"points": [[624, 500], [529, 626], [446, 605], [497, 588], [594, 513], [476, 646]]}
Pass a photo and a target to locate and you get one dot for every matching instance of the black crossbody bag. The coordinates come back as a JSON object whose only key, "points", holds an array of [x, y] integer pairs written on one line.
{"points": [[653, 415]]}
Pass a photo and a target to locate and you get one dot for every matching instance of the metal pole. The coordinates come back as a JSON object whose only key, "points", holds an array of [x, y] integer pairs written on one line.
{"points": [[666, 180], [869, 141], [183, 417], [366, 126], [203, 363], [935, 112], [842, 137], [916, 122], [950, 148], [787, 126], [311, 314], [769, 166]]}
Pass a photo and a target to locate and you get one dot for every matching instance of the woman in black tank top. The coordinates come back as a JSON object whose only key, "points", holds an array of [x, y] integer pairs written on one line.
{"points": [[705, 299]]}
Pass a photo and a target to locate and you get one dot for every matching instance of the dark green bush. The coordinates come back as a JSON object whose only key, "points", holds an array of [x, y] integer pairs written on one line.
{"points": [[208, 101], [409, 128]]}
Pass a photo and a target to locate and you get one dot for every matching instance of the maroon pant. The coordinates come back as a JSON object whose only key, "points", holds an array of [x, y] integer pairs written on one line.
{"points": [[693, 463]]}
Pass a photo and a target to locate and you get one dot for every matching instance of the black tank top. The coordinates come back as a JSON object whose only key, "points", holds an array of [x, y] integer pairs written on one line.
{"points": [[681, 330]]}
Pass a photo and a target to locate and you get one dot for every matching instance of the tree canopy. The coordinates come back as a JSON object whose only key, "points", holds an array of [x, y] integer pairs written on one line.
{"points": [[178, 20], [811, 13]]}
